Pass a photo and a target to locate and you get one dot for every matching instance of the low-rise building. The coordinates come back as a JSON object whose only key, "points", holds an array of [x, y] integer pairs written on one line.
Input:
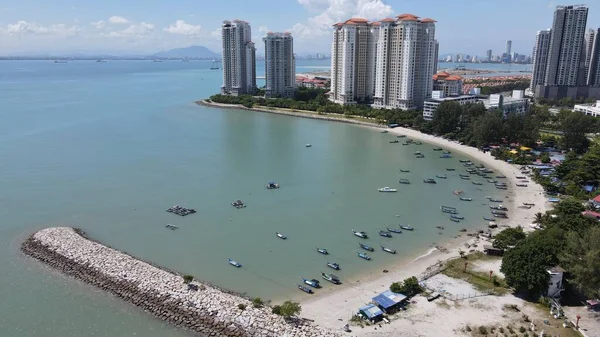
{"points": [[517, 103], [450, 85], [555, 284], [306, 82], [589, 109], [389, 301], [437, 97]]}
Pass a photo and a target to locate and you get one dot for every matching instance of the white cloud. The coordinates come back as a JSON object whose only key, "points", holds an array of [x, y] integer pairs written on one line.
{"points": [[263, 29], [98, 24], [119, 20], [332, 11], [31, 28], [137, 30], [182, 28]]}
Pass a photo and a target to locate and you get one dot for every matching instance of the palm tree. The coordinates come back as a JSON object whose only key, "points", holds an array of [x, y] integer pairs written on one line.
{"points": [[539, 218]]}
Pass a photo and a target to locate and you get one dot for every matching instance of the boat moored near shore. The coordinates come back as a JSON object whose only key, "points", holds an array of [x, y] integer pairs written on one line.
{"points": [[385, 234], [363, 256], [322, 251], [388, 250], [360, 234], [331, 278], [272, 185], [366, 247], [387, 189], [333, 265], [281, 236], [234, 263]]}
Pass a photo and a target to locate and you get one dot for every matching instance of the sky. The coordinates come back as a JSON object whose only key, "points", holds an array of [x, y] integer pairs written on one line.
{"points": [[148, 26]]}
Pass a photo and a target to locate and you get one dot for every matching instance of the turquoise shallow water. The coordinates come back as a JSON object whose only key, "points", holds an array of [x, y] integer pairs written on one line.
{"points": [[108, 146]]}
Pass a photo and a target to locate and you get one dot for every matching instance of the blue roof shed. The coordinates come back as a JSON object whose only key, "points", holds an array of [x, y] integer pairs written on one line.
{"points": [[371, 311], [388, 299]]}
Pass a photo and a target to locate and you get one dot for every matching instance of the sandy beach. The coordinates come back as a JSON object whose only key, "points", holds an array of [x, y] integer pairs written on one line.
{"points": [[332, 308]]}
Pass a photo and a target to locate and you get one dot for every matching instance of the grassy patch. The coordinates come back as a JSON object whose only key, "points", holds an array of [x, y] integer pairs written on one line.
{"points": [[480, 280]]}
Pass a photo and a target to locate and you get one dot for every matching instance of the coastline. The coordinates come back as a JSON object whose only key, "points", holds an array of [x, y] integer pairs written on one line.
{"points": [[332, 308]]}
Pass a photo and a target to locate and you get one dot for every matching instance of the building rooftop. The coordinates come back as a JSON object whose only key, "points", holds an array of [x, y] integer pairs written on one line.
{"points": [[428, 20], [402, 16], [388, 299], [450, 98], [445, 76], [388, 20], [371, 311]]}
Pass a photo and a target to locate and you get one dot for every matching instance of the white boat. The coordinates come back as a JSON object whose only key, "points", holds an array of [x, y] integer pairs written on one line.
{"points": [[281, 236], [234, 263], [308, 145], [387, 189], [360, 234]]}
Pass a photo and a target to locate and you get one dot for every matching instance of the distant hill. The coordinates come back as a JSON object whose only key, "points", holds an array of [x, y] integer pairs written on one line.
{"points": [[200, 52]]}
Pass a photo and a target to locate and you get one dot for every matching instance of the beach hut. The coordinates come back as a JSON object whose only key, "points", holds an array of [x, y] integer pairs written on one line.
{"points": [[491, 250], [371, 312], [389, 301]]}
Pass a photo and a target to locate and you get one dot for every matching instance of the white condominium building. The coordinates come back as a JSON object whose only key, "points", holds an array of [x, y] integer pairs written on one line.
{"points": [[353, 61], [405, 62], [540, 58], [280, 67], [593, 72], [239, 59]]}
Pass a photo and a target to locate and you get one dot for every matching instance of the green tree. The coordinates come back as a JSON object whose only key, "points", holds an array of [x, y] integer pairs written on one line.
{"points": [[489, 128], [446, 117], [582, 261], [408, 287], [188, 278], [257, 302], [289, 309], [575, 126], [545, 157], [525, 266], [509, 237]]}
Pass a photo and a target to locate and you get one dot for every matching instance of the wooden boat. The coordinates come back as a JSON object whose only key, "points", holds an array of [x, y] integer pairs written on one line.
{"points": [[404, 171], [322, 251], [331, 278], [439, 227], [384, 131], [448, 207], [401, 136], [450, 169], [363, 256], [455, 220], [420, 156], [499, 207], [498, 212], [308, 145], [234, 263], [466, 199], [393, 230], [521, 177], [458, 192], [501, 177], [495, 200], [477, 183], [385, 234], [417, 143], [238, 204], [305, 289], [388, 250], [447, 152], [366, 247], [281, 236], [313, 283], [387, 189], [444, 156], [492, 181], [464, 160], [437, 149], [488, 218], [395, 141], [458, 217], [418, 153], [171, 227], [271, 185], [404, 181], [429, 181], [450, 211], [407, 227], [501, 216], [465, 178], [406, 143], [521, 185], [360, 234], [501, 187], [528, 204], [441, 176], [333, 265]]}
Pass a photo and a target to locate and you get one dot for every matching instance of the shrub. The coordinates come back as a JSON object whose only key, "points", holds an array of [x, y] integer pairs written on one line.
{"points": [[468, 328], [257, 302], [276, 310], [501, 330], [483, 330], [188, 278], [522, 329], [241, 306]]}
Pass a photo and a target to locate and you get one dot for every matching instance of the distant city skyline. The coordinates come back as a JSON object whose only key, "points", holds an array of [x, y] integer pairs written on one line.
{"points": [[136, 27]]}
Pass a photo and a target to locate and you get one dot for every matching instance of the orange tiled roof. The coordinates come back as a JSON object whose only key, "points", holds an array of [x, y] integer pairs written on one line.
{"points": [[358, 20], [376, 23], [402, 16], [388, 20], [408, 18], [428, 20]]}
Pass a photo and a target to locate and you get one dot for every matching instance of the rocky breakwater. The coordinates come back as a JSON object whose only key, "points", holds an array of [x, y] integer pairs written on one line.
{"points": [[207, 310]]}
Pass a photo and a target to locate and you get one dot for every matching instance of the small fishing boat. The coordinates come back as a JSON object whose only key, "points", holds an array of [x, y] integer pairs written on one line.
{"points": [[171, 227], [407, 227], [495, 200], [476, 183], [553, 200], [458, 192], [501, 216], [450, 211], [457, 217], [360, 234], [441, 176], [528, 204], [393, 230], [455, 220], [385, 234], [420, 156], [322, 251], [466, 199], [492, 181], [331, 278], [387, 189], [234, 263], [404, 171], [521, 177], [499, 207], [447, 152], [498, 213], [500, 184], [488, 218], [238, 204], [313, 283], [521, 185], [418, 153], [305, 289], [401, 136], [272, 185], [487, 170], [468, 164], [363, 256], [395, 141], [404, 181], [439, 227], [406, 143], [308, 145], [465, 178], [480, 166], [501, 177], [429, 181], [464, 160], [501, 187], [281, 236], [450, 169], [464, 175], [444, 156], [437, 149], [333, 265], [448, 207], [388, 250], [366, 247], [417, 143], [384, 131]]}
